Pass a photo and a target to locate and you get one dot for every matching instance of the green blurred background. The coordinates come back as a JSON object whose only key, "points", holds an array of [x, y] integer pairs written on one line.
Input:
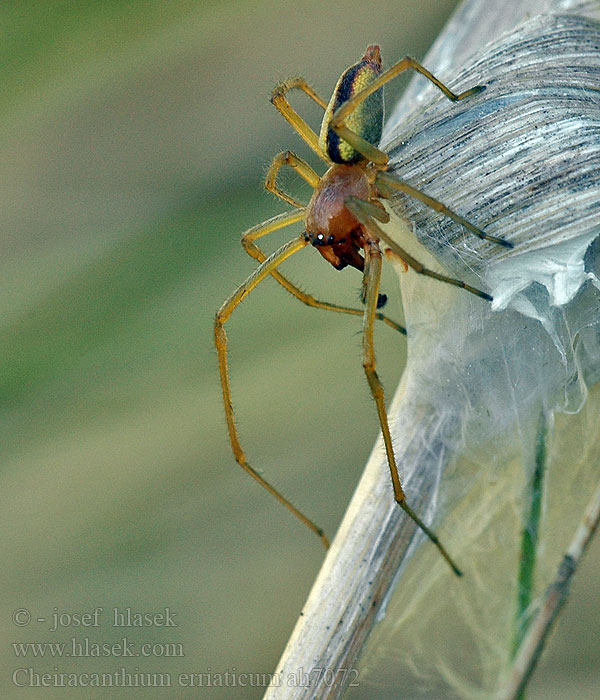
{"points": [[135, 137]]}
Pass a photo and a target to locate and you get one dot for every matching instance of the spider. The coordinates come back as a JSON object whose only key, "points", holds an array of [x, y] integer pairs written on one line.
{"points": [[340, 221]]}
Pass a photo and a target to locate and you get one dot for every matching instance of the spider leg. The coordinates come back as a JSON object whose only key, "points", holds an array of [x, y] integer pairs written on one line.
{"points": [[385, 181], [373, 276], [368, 150], [277, 222], [265, 269], [363, 212], [279, 99], [300, 166]]}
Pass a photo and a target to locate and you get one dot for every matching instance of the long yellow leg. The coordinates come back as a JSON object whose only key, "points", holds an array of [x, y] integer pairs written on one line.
{"points": [[385, 181], [357, 142], [265, 269], [300, 166], [373, 275], [255, 252], [278, 98], [364, 211]]}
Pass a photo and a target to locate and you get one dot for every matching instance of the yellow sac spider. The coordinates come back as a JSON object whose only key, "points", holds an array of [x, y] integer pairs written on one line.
{"points": [[340, 222]]}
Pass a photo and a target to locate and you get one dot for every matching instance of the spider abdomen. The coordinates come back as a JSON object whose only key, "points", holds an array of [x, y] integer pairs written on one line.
{"points": [[366, 120]]}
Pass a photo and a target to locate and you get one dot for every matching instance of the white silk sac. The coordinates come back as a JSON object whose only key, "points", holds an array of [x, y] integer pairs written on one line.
{"points": [[491, 390]]}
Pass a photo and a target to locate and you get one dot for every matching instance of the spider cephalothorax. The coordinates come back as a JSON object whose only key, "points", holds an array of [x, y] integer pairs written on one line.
{"points": [[330, 226]]}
